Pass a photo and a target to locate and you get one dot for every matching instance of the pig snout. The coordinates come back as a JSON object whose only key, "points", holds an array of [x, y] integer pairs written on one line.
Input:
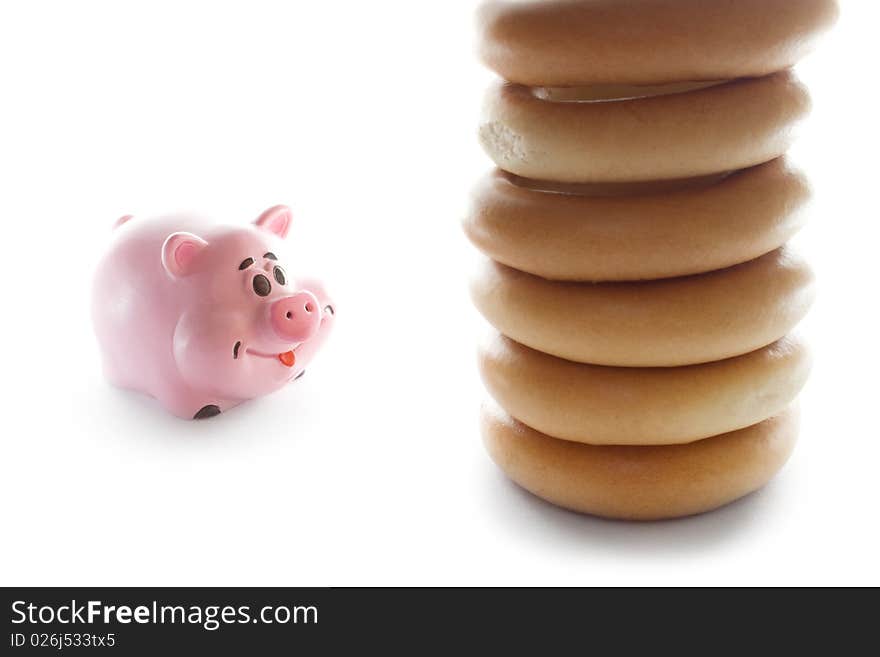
{"points": [[296, 318]]}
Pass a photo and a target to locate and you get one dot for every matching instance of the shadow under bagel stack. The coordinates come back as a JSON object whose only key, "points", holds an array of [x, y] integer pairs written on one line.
{"points": [[637, 273]]}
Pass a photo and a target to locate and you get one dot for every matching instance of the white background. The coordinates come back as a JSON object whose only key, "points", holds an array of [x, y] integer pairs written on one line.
{"points": [[370, 470]]}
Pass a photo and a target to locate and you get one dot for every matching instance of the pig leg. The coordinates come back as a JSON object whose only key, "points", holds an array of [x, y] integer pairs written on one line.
{"points": [[186, 404], [209, 410]]}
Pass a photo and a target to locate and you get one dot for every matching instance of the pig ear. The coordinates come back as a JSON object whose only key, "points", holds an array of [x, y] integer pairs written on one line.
{"points": [[276, 220], [178, 252]]}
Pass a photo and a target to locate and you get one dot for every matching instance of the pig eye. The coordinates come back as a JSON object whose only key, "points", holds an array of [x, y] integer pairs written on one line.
{"points": [[279, 275], [262, 286]]}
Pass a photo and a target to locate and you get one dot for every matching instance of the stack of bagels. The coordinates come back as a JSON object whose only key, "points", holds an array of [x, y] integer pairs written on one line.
{"points": [[637, 275]]}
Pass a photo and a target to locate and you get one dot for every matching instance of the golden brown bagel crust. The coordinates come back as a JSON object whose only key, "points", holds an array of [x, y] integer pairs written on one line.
{"points": [[576, 42], [627, 238], [719, 128], [661, 323], [641, 406], [640, 483]]}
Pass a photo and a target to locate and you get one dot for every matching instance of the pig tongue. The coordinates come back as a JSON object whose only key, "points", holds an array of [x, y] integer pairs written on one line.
{"points": [[287, 358]]}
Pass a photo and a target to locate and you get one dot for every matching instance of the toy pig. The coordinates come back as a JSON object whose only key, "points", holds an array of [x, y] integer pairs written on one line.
{"points": [[203, 316]]}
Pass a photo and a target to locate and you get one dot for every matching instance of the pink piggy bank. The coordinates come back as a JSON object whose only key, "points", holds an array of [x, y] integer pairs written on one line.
{"points": [[202, 316]]}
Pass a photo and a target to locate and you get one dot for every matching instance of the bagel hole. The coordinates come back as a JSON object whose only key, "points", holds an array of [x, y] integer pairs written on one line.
{"points": [[615, 188], [604, 93]]}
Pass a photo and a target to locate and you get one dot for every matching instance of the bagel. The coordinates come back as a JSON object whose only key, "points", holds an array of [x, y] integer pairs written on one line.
{"points": [[640, 483], [662, 323], [574, 42], [710, 130], [641, 406], [572, 237]]}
